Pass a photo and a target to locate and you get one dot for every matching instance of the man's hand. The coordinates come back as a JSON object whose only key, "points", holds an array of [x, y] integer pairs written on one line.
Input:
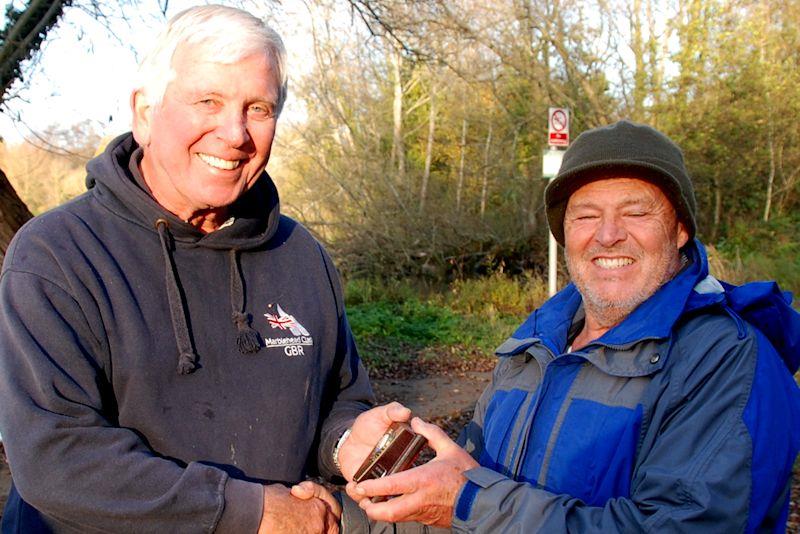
{"points": [[365, 434], [285, 513], [311, 490], [427, 493]]}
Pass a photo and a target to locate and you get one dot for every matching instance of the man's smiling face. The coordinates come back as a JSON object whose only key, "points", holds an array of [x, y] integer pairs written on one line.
{"points": [[209, 139], [622, 241]]}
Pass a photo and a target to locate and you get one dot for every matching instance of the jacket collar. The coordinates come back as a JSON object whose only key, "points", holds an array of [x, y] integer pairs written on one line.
{"points": [[653, 319]]}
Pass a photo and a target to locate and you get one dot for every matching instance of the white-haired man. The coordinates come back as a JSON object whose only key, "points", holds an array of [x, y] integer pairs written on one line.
{"points": [[174, 352], [644, 397]]}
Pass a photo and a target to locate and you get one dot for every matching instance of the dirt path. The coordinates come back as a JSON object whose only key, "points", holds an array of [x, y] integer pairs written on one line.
{"points": [[434, 396]]}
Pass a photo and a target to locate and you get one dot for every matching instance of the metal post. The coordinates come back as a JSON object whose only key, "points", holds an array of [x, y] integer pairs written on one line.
{"points": [[551, 162], [552, 263]]}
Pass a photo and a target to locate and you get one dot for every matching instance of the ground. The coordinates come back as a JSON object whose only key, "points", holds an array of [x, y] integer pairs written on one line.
{"points": [[442, 391]]}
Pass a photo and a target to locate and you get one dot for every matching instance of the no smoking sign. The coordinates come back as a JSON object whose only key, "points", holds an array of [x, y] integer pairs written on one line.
{"points": [[558, 127]]}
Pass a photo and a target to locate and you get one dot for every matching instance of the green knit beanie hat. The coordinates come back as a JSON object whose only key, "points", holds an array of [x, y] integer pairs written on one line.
{"points": [[623, 149]]}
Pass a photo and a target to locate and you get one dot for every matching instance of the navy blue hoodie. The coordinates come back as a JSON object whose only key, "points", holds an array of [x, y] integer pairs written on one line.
{"points": [[153, 377]]}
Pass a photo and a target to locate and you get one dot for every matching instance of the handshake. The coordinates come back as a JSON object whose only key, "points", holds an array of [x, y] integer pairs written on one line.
{"points": [[382, 443]]}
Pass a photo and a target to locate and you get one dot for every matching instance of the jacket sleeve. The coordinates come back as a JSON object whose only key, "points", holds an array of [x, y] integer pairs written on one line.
{"points": [[704, 466], [348, 392], [355, 521], [471, 437], [70, 459]]}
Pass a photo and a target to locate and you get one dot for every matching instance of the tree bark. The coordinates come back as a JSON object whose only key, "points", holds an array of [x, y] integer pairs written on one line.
{"points": [[24, 36], [716, 182], [770, 180], [423, 194], [462, 148], [398, 145], [13, 213], [639, 74], [655, 51], [485, 184]]}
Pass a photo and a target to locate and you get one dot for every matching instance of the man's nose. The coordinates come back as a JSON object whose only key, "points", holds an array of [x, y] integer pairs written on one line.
{"points": [[233, 128], [610, 231]]}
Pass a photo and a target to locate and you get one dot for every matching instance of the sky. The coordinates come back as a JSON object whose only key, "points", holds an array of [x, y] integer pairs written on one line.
{"points": [[86, 71]]}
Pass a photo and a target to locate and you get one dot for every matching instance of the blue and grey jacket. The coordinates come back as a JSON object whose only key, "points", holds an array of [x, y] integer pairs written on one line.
{"points": [[685, 417]]}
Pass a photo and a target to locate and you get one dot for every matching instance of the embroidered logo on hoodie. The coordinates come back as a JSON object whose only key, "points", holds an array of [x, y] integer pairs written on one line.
{"points": [[282, 321]]}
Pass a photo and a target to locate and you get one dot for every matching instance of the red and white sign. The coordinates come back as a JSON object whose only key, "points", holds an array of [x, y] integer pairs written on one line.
{"points": [[558, 127]]}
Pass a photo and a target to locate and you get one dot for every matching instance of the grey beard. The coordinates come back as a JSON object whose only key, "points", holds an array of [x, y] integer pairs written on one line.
{"points": [[609, 313]]}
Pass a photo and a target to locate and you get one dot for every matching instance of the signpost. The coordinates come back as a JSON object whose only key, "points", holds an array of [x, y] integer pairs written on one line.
{"points": [[557, 136], [558, 127]]}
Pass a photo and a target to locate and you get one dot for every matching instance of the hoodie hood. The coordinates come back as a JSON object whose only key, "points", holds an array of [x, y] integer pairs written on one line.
{"points": [[117, 183], [760, 304], [256, 213]]}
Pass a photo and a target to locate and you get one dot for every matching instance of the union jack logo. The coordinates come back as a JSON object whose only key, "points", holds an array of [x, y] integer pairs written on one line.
{"points": [[284, 321], [280, 322]]}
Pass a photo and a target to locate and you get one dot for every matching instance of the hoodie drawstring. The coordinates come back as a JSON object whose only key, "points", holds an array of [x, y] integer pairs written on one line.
{"points": [[187, 359], [247, 340]]}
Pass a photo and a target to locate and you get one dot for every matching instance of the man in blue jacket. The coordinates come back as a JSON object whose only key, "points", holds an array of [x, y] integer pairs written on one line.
{"points": [[645, 396]]}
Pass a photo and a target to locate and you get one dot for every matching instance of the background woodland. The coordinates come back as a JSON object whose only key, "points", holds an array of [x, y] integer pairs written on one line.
{"points": [[420, 156]]}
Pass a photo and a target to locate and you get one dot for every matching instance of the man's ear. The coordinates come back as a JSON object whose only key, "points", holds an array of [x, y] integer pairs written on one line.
{"points": [[683, 235], [142, 117]]}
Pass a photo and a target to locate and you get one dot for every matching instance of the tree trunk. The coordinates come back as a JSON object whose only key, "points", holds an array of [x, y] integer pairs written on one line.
{"points": [[13, 213], [423, 194], [717, 209], [655, 52], [770, 132], [485, 185], [771, 179], [462, 149], [640, 73], [24, 35], [398, 145]]}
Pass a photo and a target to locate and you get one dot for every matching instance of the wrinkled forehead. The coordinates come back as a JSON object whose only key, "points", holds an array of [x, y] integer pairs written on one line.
{"points": [[197, 70], [620, 189]]}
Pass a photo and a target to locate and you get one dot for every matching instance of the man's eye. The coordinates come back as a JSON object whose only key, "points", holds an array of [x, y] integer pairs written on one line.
{"points": [[262, 110], [207, 102]]}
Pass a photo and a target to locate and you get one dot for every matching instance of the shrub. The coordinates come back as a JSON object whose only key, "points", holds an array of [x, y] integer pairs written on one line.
{"points": [[399, 319], [498, 294], [768, 251]]}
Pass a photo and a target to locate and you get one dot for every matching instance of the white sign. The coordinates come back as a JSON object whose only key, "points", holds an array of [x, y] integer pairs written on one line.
{"points": [[551, 162], [558, 127]]}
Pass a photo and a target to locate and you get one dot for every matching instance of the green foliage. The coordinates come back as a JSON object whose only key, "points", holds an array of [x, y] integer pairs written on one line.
{"points": [[411, 321], [498, 295], [394, 321], [770, 251], [395, 291], [777, 237]]}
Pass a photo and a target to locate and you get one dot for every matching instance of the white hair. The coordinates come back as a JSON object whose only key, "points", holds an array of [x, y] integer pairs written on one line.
{"points": [[223, 35]]}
